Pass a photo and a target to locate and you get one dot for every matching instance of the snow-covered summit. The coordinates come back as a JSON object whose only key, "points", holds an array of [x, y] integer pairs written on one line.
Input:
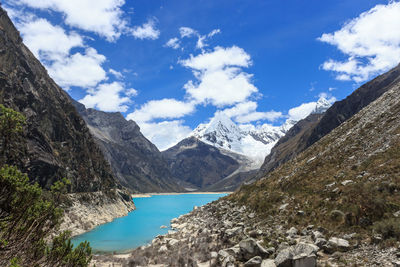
{"points": [[255, 142], [252, 141], [322, 105]]}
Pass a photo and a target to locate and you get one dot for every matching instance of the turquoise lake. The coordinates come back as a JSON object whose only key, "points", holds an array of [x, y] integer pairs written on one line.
{"points": [[140, 226]]}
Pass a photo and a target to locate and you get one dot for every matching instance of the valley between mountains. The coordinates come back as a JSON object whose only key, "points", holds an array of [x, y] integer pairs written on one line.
{"points": [[320, 191]]}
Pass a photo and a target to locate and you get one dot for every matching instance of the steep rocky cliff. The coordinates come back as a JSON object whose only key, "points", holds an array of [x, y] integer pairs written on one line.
{"points": [[308, 131], [135, 161], [58, 142]]}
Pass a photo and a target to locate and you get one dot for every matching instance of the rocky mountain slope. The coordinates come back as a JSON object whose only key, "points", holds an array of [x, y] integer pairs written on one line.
{"points": [[314, 127], [58, 142], [135, 161], [347, 182], [197, 164]]}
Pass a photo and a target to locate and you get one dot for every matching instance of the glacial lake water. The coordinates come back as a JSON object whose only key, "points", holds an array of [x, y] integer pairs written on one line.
{"points": [[140, 226]]}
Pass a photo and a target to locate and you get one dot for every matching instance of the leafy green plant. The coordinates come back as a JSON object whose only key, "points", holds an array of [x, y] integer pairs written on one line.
{"points": [[11, 129]]}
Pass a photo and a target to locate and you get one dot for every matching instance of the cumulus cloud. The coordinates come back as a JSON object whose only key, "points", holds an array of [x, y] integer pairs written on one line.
{"points": [[165, 134], [47, 41], [371, 42], [167, 108], [218, 59], [256, 116], [104, 17], [52, 46], [147, 31], [79, 69], [245, 112], [305, 109], [107, 97], [220, 79], [173, 43]]}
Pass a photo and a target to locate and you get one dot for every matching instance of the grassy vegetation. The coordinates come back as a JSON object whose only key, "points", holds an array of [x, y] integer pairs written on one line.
{"points": [[349, 181]]}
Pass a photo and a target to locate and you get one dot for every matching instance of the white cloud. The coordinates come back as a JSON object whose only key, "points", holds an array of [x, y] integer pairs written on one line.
{"points": [[131, 92], [214, 32], [52, 46], [218, 59], [240, 109], [147, 31], [173, 43], [103, 17], [371, 42], [256, 116], [187, 32], [117, 74], [107, 97], [167, 108], [47, 41], [83, 70], [305, 109], [201, 39], [165, 134], [220, 80], [302, 111], [245, 112]]}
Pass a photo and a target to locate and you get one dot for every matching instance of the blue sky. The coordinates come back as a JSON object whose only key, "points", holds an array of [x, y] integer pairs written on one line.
{"points": [[256, 60]]}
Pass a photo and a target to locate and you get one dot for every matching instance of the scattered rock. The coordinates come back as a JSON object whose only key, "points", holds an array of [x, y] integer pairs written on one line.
{"points": [[292, 231], [250, 248], [254, 262], [268, 263], [339, 244], [346, 182]]}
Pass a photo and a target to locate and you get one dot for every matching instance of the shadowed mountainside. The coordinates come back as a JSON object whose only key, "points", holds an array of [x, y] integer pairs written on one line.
{"points": [[135, 161]]}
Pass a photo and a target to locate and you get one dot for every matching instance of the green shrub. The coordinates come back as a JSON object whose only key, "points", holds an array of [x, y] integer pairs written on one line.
{"points": [[26, 219]]}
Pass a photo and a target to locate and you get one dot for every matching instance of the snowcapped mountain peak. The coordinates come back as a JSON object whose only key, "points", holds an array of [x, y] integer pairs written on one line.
{"points": [[322, 105], [255, 142], [221, 131]]}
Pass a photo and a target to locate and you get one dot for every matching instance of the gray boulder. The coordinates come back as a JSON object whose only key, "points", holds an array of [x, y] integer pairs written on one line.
{"points": [[250, 248], [297, 254], [304, 260], [254, 262], [339, 244], [268, 263]]}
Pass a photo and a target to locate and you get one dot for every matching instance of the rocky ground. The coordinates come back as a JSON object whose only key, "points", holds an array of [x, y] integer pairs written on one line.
{"points": [[225, 234]]}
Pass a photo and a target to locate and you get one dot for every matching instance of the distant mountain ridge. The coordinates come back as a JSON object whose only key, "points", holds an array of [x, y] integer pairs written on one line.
{"points": [[135, 161], [197, 164], [253, 142], [309, 130]]}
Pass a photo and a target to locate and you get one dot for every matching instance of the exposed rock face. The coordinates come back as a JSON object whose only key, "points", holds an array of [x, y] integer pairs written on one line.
{"points": [[135, 161], [198, 164], [88, 210], [308, 131], [59, 143]]}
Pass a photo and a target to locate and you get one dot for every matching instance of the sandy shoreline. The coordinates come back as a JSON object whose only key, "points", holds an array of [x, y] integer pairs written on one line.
{"points": [[171, 194]]}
